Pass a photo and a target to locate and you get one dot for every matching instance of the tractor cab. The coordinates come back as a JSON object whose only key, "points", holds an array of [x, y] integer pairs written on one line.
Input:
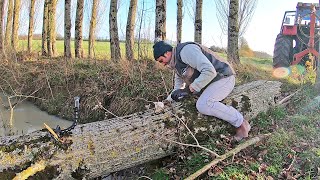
{"points": [[299, 35], [289, 18], [303, 12], [301, 17]]}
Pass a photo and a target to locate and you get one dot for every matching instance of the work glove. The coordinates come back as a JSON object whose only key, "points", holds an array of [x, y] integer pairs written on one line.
{"points": [[180, 94]]}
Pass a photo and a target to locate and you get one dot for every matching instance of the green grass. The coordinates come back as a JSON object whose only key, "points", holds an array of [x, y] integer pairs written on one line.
{"points": [[160, 174], [101, 49], [264, 64], [261, 64], [266, 120], [232, 172]]}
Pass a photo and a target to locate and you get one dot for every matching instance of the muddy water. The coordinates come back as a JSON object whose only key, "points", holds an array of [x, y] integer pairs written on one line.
{"points": [[26, 118]]}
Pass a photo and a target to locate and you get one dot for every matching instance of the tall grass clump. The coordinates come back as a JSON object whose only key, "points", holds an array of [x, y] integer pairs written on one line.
{"points": [[107, 89]]}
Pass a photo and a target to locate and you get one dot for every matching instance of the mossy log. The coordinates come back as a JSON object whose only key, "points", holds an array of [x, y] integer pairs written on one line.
{"points": [[99, 148]]}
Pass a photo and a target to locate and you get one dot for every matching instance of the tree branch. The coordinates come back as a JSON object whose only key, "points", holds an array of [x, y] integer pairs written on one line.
{"points": [[226, 155]]}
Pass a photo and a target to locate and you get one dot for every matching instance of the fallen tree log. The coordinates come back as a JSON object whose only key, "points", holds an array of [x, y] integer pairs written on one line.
{"points": [[99, 148]]}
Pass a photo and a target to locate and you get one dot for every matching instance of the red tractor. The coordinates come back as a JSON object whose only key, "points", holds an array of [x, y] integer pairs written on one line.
{"points": [[299, 36]]}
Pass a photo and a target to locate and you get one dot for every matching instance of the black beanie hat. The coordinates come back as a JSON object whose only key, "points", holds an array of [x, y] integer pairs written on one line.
{"points": [[159, 48]]}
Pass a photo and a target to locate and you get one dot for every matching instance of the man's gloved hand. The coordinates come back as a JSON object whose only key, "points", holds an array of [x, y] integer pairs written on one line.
{"points": [[180, 94]]}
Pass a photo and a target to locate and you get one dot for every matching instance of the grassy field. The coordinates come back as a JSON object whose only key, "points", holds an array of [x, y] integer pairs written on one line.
{"points": [[101, 49]]}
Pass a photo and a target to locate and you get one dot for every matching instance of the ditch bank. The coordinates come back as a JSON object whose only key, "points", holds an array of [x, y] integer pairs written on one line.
{"points": [[106, 89]]}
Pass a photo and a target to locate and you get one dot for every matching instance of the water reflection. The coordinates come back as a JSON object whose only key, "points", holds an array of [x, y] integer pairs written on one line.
{"points": [[26, 118]]}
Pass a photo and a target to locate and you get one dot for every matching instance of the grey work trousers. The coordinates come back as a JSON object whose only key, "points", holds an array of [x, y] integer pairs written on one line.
{"points": [[209, 101]]}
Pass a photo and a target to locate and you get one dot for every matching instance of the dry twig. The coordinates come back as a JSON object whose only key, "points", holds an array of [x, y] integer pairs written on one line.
{"points": [[282, 101], [164, 83], [30, 171], [99, 105], [52, 132], [144, 177], [12, 106], [49, 86], [226, 155]]}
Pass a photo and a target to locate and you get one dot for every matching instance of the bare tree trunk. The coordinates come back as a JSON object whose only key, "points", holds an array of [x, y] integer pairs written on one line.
{"points": [[113, 30], [31, 25], [49, 29], [93, 24], [52, 19], [44, 41], [179, 20], [160, 25], [7, 41], [233, 32], [130, 30], [15, 24], [52, 6], [78, 30], [67, 29], [139, 33], [2, 3], [198, 22]]}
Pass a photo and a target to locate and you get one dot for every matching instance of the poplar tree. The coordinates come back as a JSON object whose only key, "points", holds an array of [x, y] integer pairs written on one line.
{"points": [[78, 30], [31, 24], [8, 32], [44, 41], [130, 29], [113, 30], [67, 29], [234, 25], [198, 22], [15, 24], [2, 3], [51, 28], [93, 25], [160, 24], [179, 20], [233, 32]]}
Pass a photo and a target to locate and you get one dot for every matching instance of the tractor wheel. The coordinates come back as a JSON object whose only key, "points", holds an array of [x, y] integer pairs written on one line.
{"points": [[283, 51]]}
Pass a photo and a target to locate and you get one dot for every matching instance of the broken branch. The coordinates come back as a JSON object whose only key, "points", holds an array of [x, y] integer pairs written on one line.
{"points": [[226, 155]]}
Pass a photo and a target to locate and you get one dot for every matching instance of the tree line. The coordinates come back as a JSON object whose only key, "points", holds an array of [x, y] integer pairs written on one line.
{"points": [[230, 9]]}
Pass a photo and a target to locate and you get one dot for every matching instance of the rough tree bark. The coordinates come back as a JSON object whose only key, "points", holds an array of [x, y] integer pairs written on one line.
{"points": [[98, 148], [233, 32], [44, 40], [113, 30], [160, 25], [179, 20], [2, 3], [7, 41], [51, 28], [67, 29], [93, 25], [31, 25], [130, 29], [15, 24], [78, 30], [198, 22], [140, 27], [52, 19]]}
